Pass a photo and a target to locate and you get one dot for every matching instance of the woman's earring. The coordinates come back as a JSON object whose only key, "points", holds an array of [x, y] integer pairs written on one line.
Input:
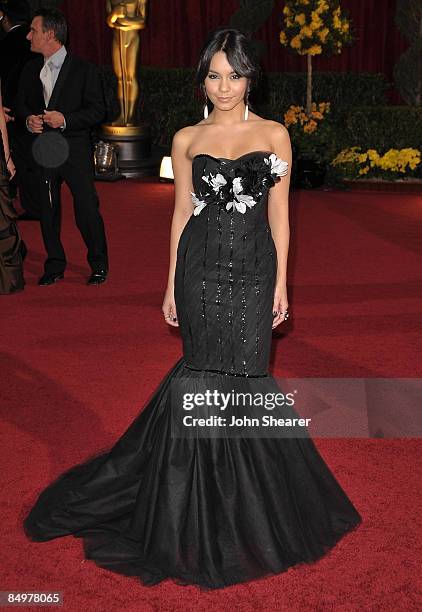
{"points": [[206, 107], [246, 106]]}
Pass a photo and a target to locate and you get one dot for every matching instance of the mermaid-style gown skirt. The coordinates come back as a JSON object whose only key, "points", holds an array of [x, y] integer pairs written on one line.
{"points": [[207, 510]]}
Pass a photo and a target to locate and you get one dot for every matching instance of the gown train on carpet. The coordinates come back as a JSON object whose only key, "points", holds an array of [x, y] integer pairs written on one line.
{"points": [[217, 510]]}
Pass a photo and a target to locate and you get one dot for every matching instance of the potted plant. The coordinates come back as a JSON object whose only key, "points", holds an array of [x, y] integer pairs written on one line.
{"points": [[312, 27], [311, 137]]}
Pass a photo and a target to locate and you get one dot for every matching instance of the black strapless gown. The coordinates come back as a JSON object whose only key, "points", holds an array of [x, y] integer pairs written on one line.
{"points": [[211, 511]]}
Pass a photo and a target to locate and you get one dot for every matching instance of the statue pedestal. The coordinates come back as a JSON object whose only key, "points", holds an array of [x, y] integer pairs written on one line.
{"points": [[133, 145]]}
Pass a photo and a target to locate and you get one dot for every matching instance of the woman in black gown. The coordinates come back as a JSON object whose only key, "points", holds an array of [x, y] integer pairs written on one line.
{"points": [[211, 510], [12, 248]]}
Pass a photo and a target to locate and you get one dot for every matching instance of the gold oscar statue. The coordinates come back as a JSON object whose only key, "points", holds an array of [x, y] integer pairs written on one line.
{"points": [[127, 18]]}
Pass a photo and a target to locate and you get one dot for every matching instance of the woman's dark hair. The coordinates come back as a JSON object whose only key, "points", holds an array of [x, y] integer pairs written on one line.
{"points": [[240, 55], [53, 19]]}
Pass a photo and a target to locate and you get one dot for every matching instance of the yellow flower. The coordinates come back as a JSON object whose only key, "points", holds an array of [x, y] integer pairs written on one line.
{"points": [[310, 127], [373, 157], [316, 21], [411, 157], [296, 43], [322, 6], [336, 22], [290, 117], [283, 38], [397, 161], [305, 32], [317, 115], [346, 156], [286, 11], [297, 115], [393, 160], [345, 27], [300, 19], [314, 50], [322, 34]]}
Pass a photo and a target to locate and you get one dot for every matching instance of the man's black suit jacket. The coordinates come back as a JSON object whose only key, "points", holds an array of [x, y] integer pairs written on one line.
{"points": [[77, 94]]}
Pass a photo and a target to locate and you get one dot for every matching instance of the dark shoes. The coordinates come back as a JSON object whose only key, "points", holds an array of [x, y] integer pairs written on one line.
{"points": [[50, 277], [97, 277]]}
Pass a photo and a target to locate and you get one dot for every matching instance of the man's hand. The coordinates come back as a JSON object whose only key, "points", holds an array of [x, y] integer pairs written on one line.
{"points": [[35, 123], [7, 114], [54, 119]]}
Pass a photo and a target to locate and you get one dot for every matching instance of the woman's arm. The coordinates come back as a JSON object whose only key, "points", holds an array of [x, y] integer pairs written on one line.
{"points": [[183, 209], [278, 217], [5, 138]]}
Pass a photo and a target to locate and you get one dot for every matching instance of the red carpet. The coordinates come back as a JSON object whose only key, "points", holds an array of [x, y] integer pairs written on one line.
{"points": [[78, 363]]}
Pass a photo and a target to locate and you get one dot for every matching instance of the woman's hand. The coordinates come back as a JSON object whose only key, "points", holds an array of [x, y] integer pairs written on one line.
{"points": [[280, 305], [169, 308], [7, 114], [11, 168]]}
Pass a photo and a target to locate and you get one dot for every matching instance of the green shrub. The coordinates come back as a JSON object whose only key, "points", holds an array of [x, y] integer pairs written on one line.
{"points": [[382, 128], [169, 100], [358, 116]]}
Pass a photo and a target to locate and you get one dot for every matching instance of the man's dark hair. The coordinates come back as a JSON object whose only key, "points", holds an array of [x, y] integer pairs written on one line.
{"points": [[53, 19]]}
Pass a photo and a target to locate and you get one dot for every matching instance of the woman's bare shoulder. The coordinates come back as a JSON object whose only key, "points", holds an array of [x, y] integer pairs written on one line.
{"points": [[183, 138], [182, 135], [273, 127], [270, 123]]}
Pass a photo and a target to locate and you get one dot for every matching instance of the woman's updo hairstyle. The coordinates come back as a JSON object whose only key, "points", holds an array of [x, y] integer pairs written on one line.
{"points": [[239, 51]]}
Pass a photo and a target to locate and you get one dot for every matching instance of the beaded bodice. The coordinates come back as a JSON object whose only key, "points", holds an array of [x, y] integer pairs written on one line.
{"points": [[226, 264]]}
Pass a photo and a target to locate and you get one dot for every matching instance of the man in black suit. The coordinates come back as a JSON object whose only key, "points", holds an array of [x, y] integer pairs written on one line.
{"points": [[60, 98], [15, 52]]}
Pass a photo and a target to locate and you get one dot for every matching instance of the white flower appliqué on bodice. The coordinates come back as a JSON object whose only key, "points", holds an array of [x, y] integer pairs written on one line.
{"points": [[239, 192]]}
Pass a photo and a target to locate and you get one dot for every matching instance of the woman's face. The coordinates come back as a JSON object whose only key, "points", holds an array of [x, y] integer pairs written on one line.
{"points": [[224, 87]]}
